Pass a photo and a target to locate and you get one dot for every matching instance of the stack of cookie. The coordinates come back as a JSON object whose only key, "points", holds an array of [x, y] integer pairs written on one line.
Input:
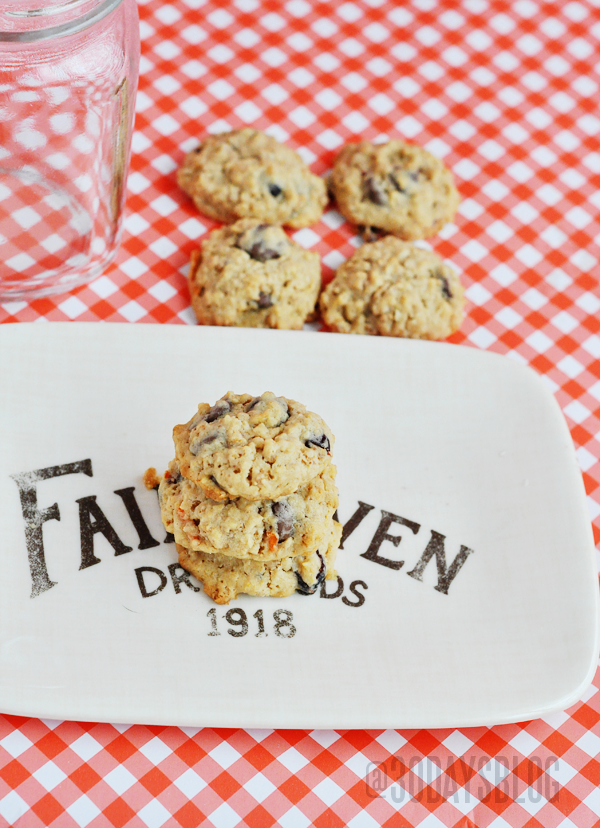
{"points": [[250, 497]]}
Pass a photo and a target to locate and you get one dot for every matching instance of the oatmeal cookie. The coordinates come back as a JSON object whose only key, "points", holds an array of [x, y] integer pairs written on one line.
{"points": [[297, 524], [394, 187], [258, 448], [392, 288], [225, 578], [247, 174], [252, 275]]}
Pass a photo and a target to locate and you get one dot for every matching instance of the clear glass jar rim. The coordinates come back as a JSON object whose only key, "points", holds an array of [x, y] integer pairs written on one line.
{"points": [[30, 20], [38, 8]]}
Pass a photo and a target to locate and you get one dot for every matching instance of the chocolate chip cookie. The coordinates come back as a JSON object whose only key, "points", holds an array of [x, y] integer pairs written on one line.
{"points": [[296, 525], [392, 288], [252, 275], [247, 174], [224, 578], [258, 448], [393, 187]]}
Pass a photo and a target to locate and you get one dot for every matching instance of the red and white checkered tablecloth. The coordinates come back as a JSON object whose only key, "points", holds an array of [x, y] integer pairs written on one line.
{"points": [[508, 95]]}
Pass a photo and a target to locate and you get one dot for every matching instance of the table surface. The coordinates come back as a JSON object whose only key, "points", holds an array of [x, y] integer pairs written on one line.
{"points": [[507, 94]]}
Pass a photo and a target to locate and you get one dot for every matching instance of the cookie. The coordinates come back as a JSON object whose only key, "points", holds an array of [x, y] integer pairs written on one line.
{"points": [[252, 275], [394, 187], [296, 525], [224, 577], [258, 448], [247, 174], [392, 288]]}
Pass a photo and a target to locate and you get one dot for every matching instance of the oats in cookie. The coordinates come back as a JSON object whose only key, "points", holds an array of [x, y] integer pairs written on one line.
{"points": [[392, 288], [248, 174], [394, 188], [251, 274]]}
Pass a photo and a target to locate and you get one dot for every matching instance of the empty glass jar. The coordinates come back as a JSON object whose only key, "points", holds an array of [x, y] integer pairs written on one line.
{"points": [[68, 79]]}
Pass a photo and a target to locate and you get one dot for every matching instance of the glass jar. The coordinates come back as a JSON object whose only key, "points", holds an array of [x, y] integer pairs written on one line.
{"points": [[68, 79]]}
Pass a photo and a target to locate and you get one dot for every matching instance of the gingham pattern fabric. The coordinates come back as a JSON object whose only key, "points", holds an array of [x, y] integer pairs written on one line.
{"points": [[508, 95], [38, 223]]}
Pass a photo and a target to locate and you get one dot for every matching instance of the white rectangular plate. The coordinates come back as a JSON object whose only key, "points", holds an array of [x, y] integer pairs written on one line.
{"points": [[452, 448]]}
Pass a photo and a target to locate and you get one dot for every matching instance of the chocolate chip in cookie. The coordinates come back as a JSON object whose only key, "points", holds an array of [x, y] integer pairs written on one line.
{"points": [[446, 292], [218, 410], [285, 520], [375, 191], [265, 300], [263, 242], [319, 441]]}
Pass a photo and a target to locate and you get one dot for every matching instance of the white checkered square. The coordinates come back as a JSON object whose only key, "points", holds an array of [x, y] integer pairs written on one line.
{"points": [[155, 815], [570, 366], [463, 800], [508, 317], [577, 412], [532, 800], [534, 299], [120, 779], [190, 783], [83, 811], [224, 755], [589, 743], [592, 801], [72, 307], [133, 311], [561, 771], [585, 460], [478, 294], [499, 231], [292, 760], [458, 743], [503, 274], [13, 807], [564, 322], [391, 740], [49, 775], [294, 818], [327, 791], [133, 267], [539, 341], [15, 743], [259, 787], [162, 291]]}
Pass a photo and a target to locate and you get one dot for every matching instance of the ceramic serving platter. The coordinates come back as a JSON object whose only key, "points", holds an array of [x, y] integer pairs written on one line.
{"points": [[467, 591]]}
